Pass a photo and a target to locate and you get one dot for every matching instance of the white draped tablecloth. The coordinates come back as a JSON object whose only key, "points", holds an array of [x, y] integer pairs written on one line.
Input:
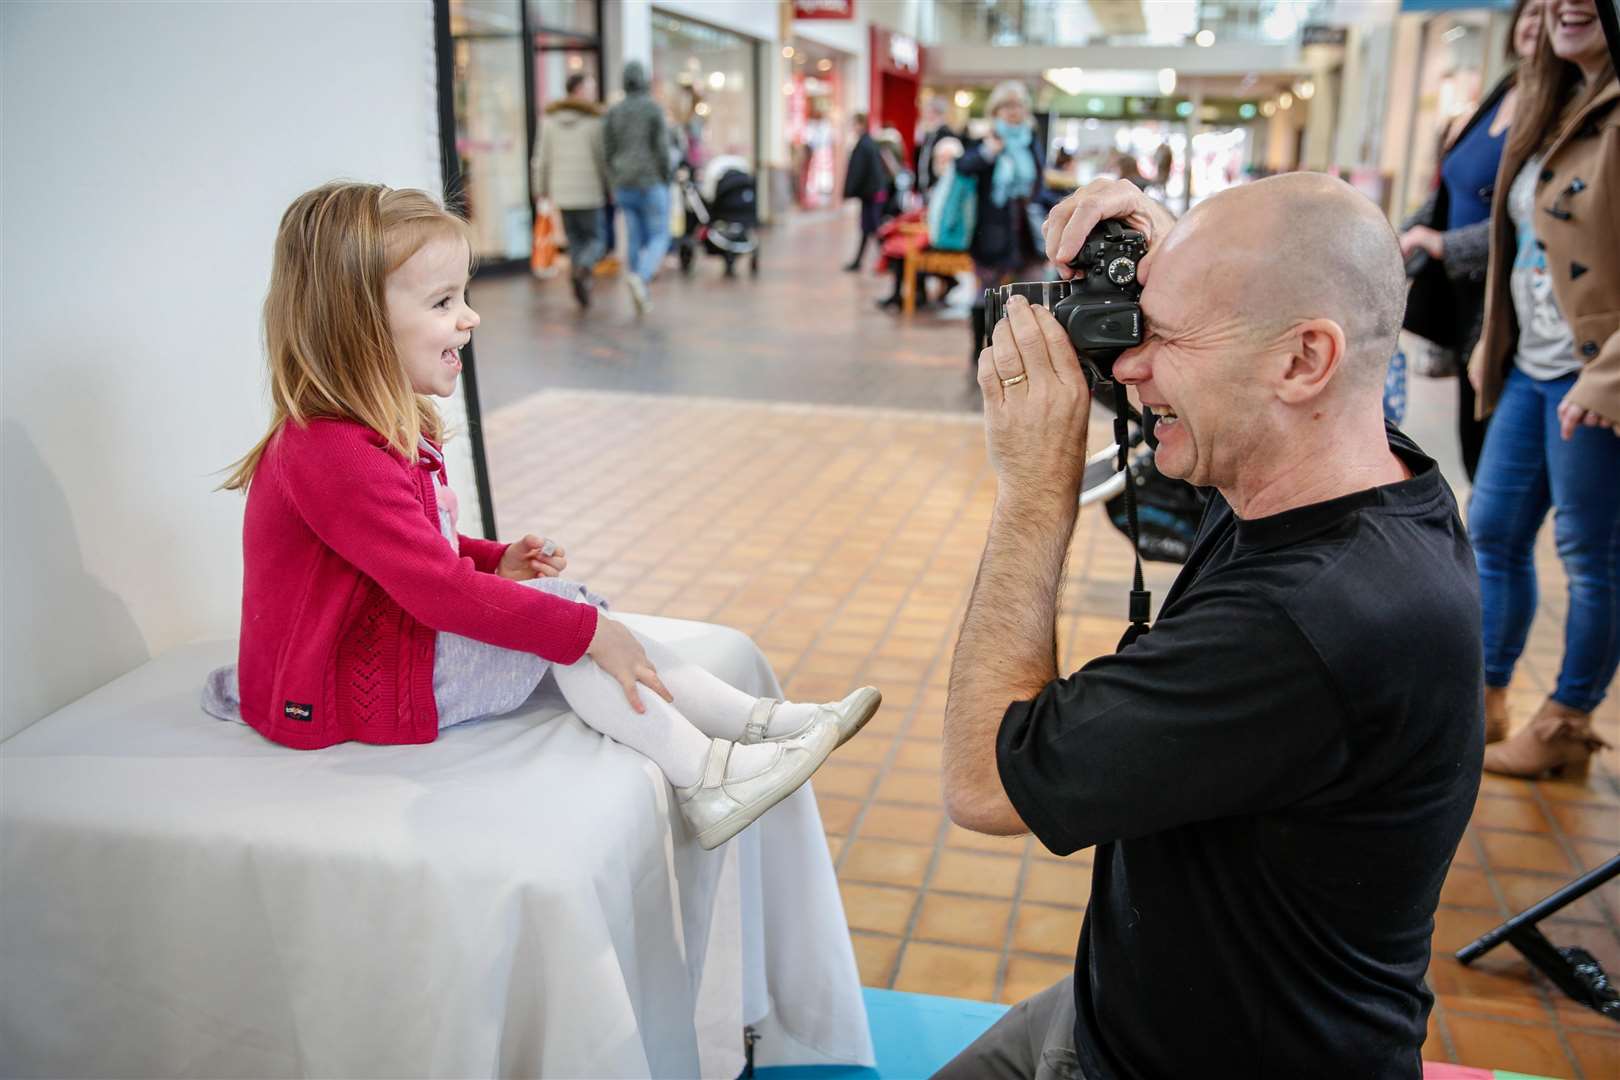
{"points": [[180, 897]]}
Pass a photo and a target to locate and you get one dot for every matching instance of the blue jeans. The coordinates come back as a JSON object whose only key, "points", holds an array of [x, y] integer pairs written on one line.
{"points": [[646, 216], [1526, 468]]}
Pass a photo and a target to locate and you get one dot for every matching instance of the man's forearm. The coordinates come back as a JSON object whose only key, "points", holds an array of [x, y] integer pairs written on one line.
{"points": [[1007, 650]]}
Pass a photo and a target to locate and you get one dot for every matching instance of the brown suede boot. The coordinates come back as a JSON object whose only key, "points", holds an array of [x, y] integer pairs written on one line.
{"points": [[1558, 739], [1496, 714]]}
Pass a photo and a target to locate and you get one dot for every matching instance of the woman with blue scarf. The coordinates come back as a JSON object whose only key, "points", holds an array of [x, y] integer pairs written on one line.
{"points": [[1007, 165]]}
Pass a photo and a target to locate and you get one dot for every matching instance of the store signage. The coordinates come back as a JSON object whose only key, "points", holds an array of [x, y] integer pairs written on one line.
{"points": [[903, 52], [1316, 34], [823, 9]]}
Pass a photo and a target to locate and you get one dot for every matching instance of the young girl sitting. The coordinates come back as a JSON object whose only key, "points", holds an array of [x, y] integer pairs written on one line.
{"points": [[365, 616]]}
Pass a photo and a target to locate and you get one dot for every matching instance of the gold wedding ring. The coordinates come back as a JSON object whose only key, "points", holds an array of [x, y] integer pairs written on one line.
{"points": [[1015, 380]]}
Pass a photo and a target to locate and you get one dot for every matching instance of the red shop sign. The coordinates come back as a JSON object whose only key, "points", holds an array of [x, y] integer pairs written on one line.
{"points": [[823, 9]]}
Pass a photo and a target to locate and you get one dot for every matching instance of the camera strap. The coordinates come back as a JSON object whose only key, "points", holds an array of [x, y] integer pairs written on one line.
{"points": [[1141, 599]]}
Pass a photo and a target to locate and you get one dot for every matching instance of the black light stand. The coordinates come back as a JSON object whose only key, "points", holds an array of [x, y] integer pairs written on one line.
{"points": [[1574, 970]]}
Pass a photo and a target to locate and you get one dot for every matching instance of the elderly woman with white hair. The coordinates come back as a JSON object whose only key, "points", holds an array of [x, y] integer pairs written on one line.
{"points": [[1012, 198]]}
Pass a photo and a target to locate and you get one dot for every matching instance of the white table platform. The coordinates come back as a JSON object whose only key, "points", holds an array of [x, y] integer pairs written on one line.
{"points": [[180, 897]]}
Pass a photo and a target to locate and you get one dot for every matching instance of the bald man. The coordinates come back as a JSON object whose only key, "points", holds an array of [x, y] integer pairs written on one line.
{"points": [[1276, 776]]}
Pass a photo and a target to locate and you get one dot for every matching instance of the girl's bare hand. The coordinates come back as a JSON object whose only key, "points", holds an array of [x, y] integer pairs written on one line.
{"points": [[617, 652]]}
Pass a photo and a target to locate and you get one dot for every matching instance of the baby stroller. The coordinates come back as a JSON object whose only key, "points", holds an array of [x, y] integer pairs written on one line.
{"points": [[720, 214]]}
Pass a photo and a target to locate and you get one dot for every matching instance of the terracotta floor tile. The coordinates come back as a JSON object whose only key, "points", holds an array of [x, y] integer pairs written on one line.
{"points": [[1496, 1044], [1041, 928], [1434, 1043], [1028, 976], [1598, 1055], [875, 955], [1513, 851], [906, 786], [972, 872], [866, 748], [1456, 927], [1589, 821], [1591, 790], [885, 861], [1500, 812], [947, 970], [918, 754], [837, 815], [1522, 890], [1499, 984], [847, 778], [962, 920], [878, 908], [910, 824], [1051, 882], [1468, 887]]}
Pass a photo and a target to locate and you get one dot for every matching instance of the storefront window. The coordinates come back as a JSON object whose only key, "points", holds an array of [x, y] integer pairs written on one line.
{"points": [[705, 79], [816, 123], [492, 142], [1450, 82], [496, 105]]}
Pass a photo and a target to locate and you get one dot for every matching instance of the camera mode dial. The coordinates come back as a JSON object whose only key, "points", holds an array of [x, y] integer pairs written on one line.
{"points": [[1122, 271]]}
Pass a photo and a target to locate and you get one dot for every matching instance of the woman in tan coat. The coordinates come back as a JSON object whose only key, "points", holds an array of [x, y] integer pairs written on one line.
{"points": [[1547, 369]]}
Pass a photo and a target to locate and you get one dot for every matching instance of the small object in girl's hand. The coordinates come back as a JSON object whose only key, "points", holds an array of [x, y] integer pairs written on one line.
{"points": [[549, 548]]}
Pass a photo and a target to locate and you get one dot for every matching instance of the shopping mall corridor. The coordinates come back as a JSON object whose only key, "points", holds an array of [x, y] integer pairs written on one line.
{"points": [[780, 456]]}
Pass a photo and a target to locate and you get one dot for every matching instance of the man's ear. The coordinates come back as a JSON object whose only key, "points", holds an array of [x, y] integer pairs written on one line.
{"points": [[1316, 353]]}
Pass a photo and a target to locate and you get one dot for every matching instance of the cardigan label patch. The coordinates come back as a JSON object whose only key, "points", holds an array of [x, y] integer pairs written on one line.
{"points": [[292, 710]]}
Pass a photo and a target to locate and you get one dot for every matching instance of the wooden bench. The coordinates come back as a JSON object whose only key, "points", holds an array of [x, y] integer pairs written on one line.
{"points": [[920, 260]]}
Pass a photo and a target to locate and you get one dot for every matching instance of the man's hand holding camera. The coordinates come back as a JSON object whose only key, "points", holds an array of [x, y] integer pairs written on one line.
{"points": [[1036, 409]]}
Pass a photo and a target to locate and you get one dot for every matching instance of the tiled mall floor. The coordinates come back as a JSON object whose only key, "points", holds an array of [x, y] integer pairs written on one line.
{"points": [[844, 538]]}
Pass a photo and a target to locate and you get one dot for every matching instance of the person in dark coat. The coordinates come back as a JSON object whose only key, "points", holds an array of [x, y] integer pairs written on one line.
{"points": [[1012, 201], [867, 179]]}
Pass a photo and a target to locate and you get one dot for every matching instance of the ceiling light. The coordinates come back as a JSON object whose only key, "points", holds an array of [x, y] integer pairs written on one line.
{"points": [[1305, 89], [1268, 108], [1069, 79], [823, 65], [1184, 108], [1285, 100], [787, 52], [1167, 81], [1205, 38], [1246, 110], [717, 80], [963, 98]]}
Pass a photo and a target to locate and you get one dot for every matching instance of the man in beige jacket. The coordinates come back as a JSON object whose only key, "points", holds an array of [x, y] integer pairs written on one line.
{"points": [[571, 171]]}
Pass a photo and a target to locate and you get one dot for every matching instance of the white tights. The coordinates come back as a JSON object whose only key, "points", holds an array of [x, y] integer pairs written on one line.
{"points": [[675, 737]]}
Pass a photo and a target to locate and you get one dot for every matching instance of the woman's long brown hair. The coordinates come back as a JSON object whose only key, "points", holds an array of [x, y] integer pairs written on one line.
{"points": [[326, 332], [1548, 99]]}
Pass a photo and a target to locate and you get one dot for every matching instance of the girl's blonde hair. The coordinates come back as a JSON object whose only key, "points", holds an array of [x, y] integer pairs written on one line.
{"points": [[326, 327]]}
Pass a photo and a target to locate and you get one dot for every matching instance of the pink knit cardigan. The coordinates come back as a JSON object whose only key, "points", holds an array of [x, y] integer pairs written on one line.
{"points": [[346, 582]]}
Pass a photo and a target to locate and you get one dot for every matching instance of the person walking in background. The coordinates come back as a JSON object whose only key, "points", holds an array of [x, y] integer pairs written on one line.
{"points": [[1454, 226], [935, 126], [570, 171], [1547, 371], [635, 139], [866, 179], [1012, 201]]}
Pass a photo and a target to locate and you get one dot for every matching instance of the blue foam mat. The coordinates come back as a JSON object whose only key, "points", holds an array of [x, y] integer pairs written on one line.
{"points": [[912, 1036]]}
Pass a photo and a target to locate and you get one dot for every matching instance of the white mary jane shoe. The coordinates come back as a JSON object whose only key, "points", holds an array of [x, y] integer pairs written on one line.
{"points": [[718, 808], [848, 715]]}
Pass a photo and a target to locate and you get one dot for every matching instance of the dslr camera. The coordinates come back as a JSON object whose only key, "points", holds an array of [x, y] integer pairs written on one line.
{"points": [[1098, 306]]}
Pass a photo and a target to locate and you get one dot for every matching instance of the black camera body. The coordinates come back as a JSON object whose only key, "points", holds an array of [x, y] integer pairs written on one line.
{"points": [[1098, 306]]}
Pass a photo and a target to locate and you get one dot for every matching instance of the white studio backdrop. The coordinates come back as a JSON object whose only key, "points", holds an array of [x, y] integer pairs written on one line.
{"points": [[149, 151]]}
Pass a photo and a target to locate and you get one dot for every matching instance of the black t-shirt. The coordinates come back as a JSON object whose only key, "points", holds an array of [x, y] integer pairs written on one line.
{"points": [[1276, 777]]}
